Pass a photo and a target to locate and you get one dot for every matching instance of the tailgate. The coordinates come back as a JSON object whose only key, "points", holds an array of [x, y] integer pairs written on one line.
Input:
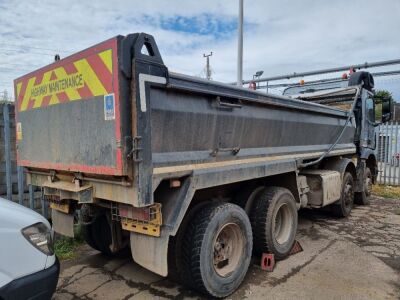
{"points": [[68, 113]]}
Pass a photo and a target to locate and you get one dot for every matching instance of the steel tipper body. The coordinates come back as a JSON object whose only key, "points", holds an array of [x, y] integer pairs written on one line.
{"points": [[164, 162]]}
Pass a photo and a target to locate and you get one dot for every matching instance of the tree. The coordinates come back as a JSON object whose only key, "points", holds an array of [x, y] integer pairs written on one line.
{"points": [[382, 94]]}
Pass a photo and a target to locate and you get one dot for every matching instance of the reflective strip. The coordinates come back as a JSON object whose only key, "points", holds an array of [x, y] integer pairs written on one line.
{"points": [[91, 80], [81, 79], [143, 78], [27, 96], [106, 57]]}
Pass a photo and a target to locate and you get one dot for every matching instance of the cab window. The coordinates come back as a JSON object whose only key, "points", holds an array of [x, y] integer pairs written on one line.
{"points": [[369, 109]]}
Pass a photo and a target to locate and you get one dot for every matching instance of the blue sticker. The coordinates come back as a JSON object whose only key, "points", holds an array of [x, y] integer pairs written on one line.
{"points": [[109, 107]]}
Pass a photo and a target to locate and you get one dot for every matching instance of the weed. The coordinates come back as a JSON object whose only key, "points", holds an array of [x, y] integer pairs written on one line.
{"points": [[386, 191], [65, 247]]}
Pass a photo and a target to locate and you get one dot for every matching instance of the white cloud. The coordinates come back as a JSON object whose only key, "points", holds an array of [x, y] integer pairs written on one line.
{"points": [[284, 36]]}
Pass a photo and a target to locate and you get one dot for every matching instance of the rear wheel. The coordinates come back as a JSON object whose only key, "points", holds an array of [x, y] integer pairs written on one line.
{"points": [[176, 270], [274, 222], [87, 235], [363, 197], [217, 249], [344, 206], [97, 235], [245, 198]]}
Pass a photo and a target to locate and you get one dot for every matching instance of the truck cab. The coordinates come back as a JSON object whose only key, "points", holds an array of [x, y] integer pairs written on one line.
{"points": [[369, 112]]}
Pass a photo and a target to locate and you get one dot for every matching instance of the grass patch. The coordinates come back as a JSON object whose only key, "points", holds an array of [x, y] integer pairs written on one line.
{"points": [[386, 191], [65, 247]]}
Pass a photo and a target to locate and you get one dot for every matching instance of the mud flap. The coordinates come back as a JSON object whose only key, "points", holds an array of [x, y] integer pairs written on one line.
{"points": [[150, 252], [63, 223]]}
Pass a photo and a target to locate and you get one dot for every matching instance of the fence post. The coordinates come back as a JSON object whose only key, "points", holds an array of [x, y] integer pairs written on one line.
{"points": [[7, 149], [31, 197], [20, 171], [391, 153], [395, 177], [380, 153], [45, 210], [385, 153]]}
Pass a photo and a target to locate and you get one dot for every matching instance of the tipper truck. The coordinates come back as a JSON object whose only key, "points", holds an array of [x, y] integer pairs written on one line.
{"points": [[189, 176]]}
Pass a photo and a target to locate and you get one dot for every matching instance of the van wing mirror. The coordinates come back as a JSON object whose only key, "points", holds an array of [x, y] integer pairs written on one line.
{"points": [[387, 109]]}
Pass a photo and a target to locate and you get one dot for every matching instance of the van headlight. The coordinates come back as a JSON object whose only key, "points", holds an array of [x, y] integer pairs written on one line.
{"points": [[40, 236]]}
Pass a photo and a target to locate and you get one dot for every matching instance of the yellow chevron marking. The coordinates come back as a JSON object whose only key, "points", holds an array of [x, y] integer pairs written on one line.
{"points": [[54, 100], [67, 83], [106, 57], [19, 85], [39, 99], [64, 83], [70, 91], [90, 77], [27, 96]]}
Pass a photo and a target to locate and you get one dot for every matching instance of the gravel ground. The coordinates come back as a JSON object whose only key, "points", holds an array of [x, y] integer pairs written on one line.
{"points": [[375, 228], [353, 258]]}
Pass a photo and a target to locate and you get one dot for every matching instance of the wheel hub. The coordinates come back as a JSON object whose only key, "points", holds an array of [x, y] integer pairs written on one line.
{"points": [[348, 194], [283, 224], [368, 185], [228, 248]]}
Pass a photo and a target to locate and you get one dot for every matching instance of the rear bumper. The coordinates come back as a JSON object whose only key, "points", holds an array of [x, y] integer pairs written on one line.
{"points": [[40, 285]]}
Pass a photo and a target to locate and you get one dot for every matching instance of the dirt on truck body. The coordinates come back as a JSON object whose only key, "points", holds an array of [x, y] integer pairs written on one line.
{"points": [[191, 177]]}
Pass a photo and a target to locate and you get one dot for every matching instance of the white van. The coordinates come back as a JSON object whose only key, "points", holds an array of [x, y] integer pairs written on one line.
{"points": [[28, 267]]}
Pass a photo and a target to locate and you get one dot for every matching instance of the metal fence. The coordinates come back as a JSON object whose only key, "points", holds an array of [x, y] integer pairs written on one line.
{"points": [[12, 181], [388, 153]]}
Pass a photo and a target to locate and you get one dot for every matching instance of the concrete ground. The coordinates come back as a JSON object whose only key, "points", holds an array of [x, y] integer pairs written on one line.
{"points": [[353, 258]]}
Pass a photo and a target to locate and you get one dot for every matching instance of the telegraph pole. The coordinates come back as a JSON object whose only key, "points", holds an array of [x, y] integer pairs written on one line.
{"points": [[239, 81], [208, 70], [5, 95]]}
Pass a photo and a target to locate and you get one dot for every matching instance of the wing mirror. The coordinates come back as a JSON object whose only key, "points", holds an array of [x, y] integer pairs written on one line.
{"points": [[383, 109], [387, 109]]}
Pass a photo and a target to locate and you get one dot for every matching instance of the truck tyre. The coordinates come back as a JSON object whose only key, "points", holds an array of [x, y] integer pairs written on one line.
{"points": [[343, 207], [274, 222], [98, 236], [363, 198], [176, 270], [217, 249], [245, 197], [87, 235]]}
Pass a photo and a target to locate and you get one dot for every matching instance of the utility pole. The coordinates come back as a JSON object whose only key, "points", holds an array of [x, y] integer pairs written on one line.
{"points": [[208, 70], [239, 81], [5, 95]]}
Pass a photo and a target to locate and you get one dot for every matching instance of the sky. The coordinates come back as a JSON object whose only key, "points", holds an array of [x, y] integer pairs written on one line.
{"points": [[279, 36]]}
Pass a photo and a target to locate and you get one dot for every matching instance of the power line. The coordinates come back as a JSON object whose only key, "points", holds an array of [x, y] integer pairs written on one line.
{"points": [[32, 47], [15, 69], [18, 52], [18, 65]]}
